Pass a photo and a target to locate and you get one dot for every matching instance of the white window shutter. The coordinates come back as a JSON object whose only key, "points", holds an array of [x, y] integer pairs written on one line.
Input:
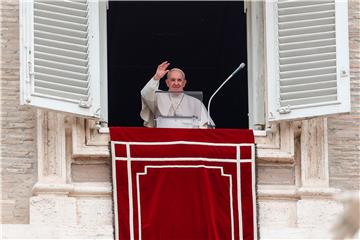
{"points": [[60, 56], [307, 54]]}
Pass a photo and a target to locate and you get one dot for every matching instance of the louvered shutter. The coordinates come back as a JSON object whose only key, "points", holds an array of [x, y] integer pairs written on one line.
{"points": [[60, 55], [307, 58]]}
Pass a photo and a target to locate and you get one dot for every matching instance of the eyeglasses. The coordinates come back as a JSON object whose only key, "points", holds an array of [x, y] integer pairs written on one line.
{"points": [[176, 79]]}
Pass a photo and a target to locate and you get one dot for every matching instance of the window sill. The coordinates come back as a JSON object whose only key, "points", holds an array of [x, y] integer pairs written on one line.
{"points": [[257, 133]]}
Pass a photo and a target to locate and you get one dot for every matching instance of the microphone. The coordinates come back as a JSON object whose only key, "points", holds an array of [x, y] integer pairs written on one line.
{"points": [[241, 66]]}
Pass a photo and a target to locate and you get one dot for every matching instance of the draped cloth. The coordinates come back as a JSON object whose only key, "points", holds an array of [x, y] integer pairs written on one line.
{"points": [[184, 183]]}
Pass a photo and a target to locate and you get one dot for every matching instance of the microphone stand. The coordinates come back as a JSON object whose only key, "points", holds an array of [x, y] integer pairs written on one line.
{"points": [[241, 66]]}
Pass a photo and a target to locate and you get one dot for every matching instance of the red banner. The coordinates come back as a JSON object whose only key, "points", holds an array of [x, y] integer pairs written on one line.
{"points": [[184, 183]]}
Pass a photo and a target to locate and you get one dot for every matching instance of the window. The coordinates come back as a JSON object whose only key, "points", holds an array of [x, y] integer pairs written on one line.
{"points": [[205, 39], [63, 59]]}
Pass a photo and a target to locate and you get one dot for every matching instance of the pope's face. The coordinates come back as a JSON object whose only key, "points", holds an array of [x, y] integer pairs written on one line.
{"points": [[175, 82]]}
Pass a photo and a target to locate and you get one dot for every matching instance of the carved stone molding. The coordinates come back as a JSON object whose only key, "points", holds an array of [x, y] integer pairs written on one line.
{"points": [[87, 142], [92, 136], [283, 192], [52, 189], [93, 189], [53, 130], [277, 145], [314, 153], [51, 147], [89, 189], [60, 138], [277, 192]]}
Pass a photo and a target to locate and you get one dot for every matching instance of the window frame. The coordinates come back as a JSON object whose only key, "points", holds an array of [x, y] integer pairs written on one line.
{"points": [[256, 71]]}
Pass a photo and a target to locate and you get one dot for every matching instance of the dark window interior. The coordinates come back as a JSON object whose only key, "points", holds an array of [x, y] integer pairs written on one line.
{"points": [[205, 39]]}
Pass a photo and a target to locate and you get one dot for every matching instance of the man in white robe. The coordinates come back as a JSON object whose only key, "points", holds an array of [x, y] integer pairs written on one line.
{"points": [[170, 104]]}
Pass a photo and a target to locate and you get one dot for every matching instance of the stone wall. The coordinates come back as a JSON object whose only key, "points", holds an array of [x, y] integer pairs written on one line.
{"points": [[18, 146], [344, 130]]}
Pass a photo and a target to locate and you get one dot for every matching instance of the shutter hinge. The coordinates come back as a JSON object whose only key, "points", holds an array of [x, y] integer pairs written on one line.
{"points": [[30, 76], [85, 104], [102, 126], [97, 112], [343, 73], [245, 6], [284, 110]]}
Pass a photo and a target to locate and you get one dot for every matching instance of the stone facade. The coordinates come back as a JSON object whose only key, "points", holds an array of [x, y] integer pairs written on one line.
{"points": [[344, 130], [18, 135], [56, 170]]}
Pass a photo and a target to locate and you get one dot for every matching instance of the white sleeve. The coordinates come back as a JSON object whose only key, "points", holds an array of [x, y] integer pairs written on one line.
{"points": [[148, 102], [204, 117]]}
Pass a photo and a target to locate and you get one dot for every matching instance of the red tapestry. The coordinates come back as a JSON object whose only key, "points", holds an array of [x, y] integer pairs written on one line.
{"points": [[184, 183]]}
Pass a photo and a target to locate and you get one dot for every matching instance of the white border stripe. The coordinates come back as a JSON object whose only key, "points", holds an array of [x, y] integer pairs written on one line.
{"points": [[114, 191], [238, 178], [221, 168], [254, 190], [185, 159], [129, 159], [138, 202], [131, 207], [185, 142]]}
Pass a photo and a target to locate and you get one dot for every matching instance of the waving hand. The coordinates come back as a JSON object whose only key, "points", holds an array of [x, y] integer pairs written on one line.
{"points": [[161, 70]]}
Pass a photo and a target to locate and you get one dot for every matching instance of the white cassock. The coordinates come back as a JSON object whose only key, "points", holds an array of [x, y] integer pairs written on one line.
{"points": [[170, 105]]}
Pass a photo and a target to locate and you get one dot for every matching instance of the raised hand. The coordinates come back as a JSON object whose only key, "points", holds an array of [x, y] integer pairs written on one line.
{"points": [[161, 70]]}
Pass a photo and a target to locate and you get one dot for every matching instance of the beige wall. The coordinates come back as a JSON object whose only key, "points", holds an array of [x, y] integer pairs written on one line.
{"points": [[18, 152], [344, 130]]}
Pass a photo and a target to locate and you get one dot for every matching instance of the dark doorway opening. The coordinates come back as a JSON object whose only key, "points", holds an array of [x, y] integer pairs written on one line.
{"points": [[205, 39]]}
